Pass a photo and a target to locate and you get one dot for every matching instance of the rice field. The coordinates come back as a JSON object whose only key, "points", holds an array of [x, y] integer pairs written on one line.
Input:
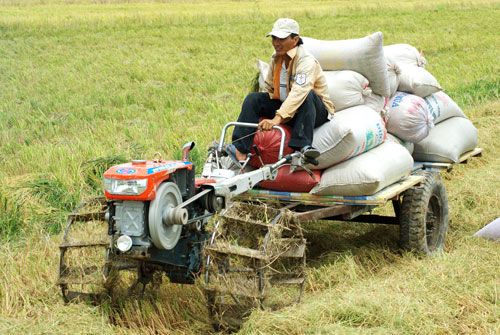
{"points": [[88, 84]]}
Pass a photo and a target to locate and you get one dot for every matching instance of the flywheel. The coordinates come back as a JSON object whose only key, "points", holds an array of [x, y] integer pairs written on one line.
{"points": [[165, 233]]}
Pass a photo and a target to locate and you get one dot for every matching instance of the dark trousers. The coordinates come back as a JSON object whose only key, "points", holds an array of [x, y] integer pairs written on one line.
{"points": [[311, 114]]}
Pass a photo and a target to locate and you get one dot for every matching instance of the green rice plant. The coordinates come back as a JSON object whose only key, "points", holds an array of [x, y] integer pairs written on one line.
{"points": [[51, 190], [10, 219], [94, 169]]}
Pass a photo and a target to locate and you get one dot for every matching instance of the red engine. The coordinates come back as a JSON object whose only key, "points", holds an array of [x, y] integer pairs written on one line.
{"points": [[140, 179]]}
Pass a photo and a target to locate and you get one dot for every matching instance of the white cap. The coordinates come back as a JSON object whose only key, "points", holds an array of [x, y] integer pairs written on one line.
{"points": [[284, 27]]}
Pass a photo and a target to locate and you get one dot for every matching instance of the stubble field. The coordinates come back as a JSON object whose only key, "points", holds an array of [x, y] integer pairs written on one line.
{"points": [[88, 84]]}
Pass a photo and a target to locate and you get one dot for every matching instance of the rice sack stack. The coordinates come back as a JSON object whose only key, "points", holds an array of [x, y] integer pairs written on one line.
{"points": [[358, 155], [452, 136], [408, 67]]}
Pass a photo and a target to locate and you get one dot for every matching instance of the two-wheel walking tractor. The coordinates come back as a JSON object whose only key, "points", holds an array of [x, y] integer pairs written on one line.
{"points": [[244, 244]]}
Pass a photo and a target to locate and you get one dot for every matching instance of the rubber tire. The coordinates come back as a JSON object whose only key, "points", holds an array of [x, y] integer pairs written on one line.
{"points": [[424, 216]]}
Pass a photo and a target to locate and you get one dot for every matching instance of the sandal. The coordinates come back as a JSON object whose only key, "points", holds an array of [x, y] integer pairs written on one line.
{"points": [[310, 152], [230, 150]]}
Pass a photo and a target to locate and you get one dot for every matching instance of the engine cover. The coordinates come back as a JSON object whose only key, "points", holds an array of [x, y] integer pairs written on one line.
{"points": [[154, 171], [130, 220]]}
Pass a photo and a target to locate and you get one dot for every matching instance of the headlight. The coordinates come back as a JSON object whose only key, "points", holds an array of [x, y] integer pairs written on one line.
{"points": [[124, 243], [125, 186]]}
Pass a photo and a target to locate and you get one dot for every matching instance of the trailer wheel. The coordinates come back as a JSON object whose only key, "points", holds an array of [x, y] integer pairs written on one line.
{"points": [[424, 216]]}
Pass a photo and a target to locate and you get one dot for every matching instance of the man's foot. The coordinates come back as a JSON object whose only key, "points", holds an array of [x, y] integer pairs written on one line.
{"points": [[233, 153], [239, 156], [310, 152]]}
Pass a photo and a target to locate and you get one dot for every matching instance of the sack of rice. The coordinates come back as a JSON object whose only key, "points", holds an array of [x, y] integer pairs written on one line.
{"points": [[364, 55], [368, 173], [268, 145], [417, 80], [263, 68], [377, 103], [347, 88], [447, 141], [393, 77], [403, 54], [491, 231], [349, 133], [442, 107], [408, 117], [297, 181], [408, 145]]}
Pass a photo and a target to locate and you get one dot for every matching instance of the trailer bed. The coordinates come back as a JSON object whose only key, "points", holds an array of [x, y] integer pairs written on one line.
{"points": [[378, 199], [307, 207]]}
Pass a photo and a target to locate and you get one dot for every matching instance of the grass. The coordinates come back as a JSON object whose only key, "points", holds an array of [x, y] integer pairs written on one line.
{"points": [[88, 84], [10, 219]]}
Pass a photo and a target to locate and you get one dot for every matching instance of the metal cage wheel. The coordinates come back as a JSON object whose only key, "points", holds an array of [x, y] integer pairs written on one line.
{"points": [[255, 259], [82, 252]]}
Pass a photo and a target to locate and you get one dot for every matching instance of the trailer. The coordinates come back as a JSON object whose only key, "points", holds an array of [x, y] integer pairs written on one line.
{"points": [[420, 207]]}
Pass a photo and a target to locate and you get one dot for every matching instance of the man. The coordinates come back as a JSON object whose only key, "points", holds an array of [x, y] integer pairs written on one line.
{"points": [[295, 93]]}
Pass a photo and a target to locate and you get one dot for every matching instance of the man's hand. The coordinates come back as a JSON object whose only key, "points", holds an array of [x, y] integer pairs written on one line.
{"points": [[268, 124]]}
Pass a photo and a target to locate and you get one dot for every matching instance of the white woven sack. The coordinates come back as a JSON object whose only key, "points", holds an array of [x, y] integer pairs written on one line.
{"points": [[447, 141], [368, 173], [364, 55], [349, 133], [408, 117], [376, 102], [442, 107], [263, 69], [417, 80], [403, 54], [491, 231], [407, 145], [393, 77], [347, 88]]}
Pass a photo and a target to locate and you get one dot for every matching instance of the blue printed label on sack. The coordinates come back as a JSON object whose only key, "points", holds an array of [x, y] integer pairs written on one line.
{"points": [[398, 98]]}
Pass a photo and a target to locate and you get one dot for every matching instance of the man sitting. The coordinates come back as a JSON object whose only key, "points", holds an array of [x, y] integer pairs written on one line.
{"points": [[295, 93]]}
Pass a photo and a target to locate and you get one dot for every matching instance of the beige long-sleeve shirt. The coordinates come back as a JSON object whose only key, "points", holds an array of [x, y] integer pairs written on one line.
{"points": [[305, 74]]}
